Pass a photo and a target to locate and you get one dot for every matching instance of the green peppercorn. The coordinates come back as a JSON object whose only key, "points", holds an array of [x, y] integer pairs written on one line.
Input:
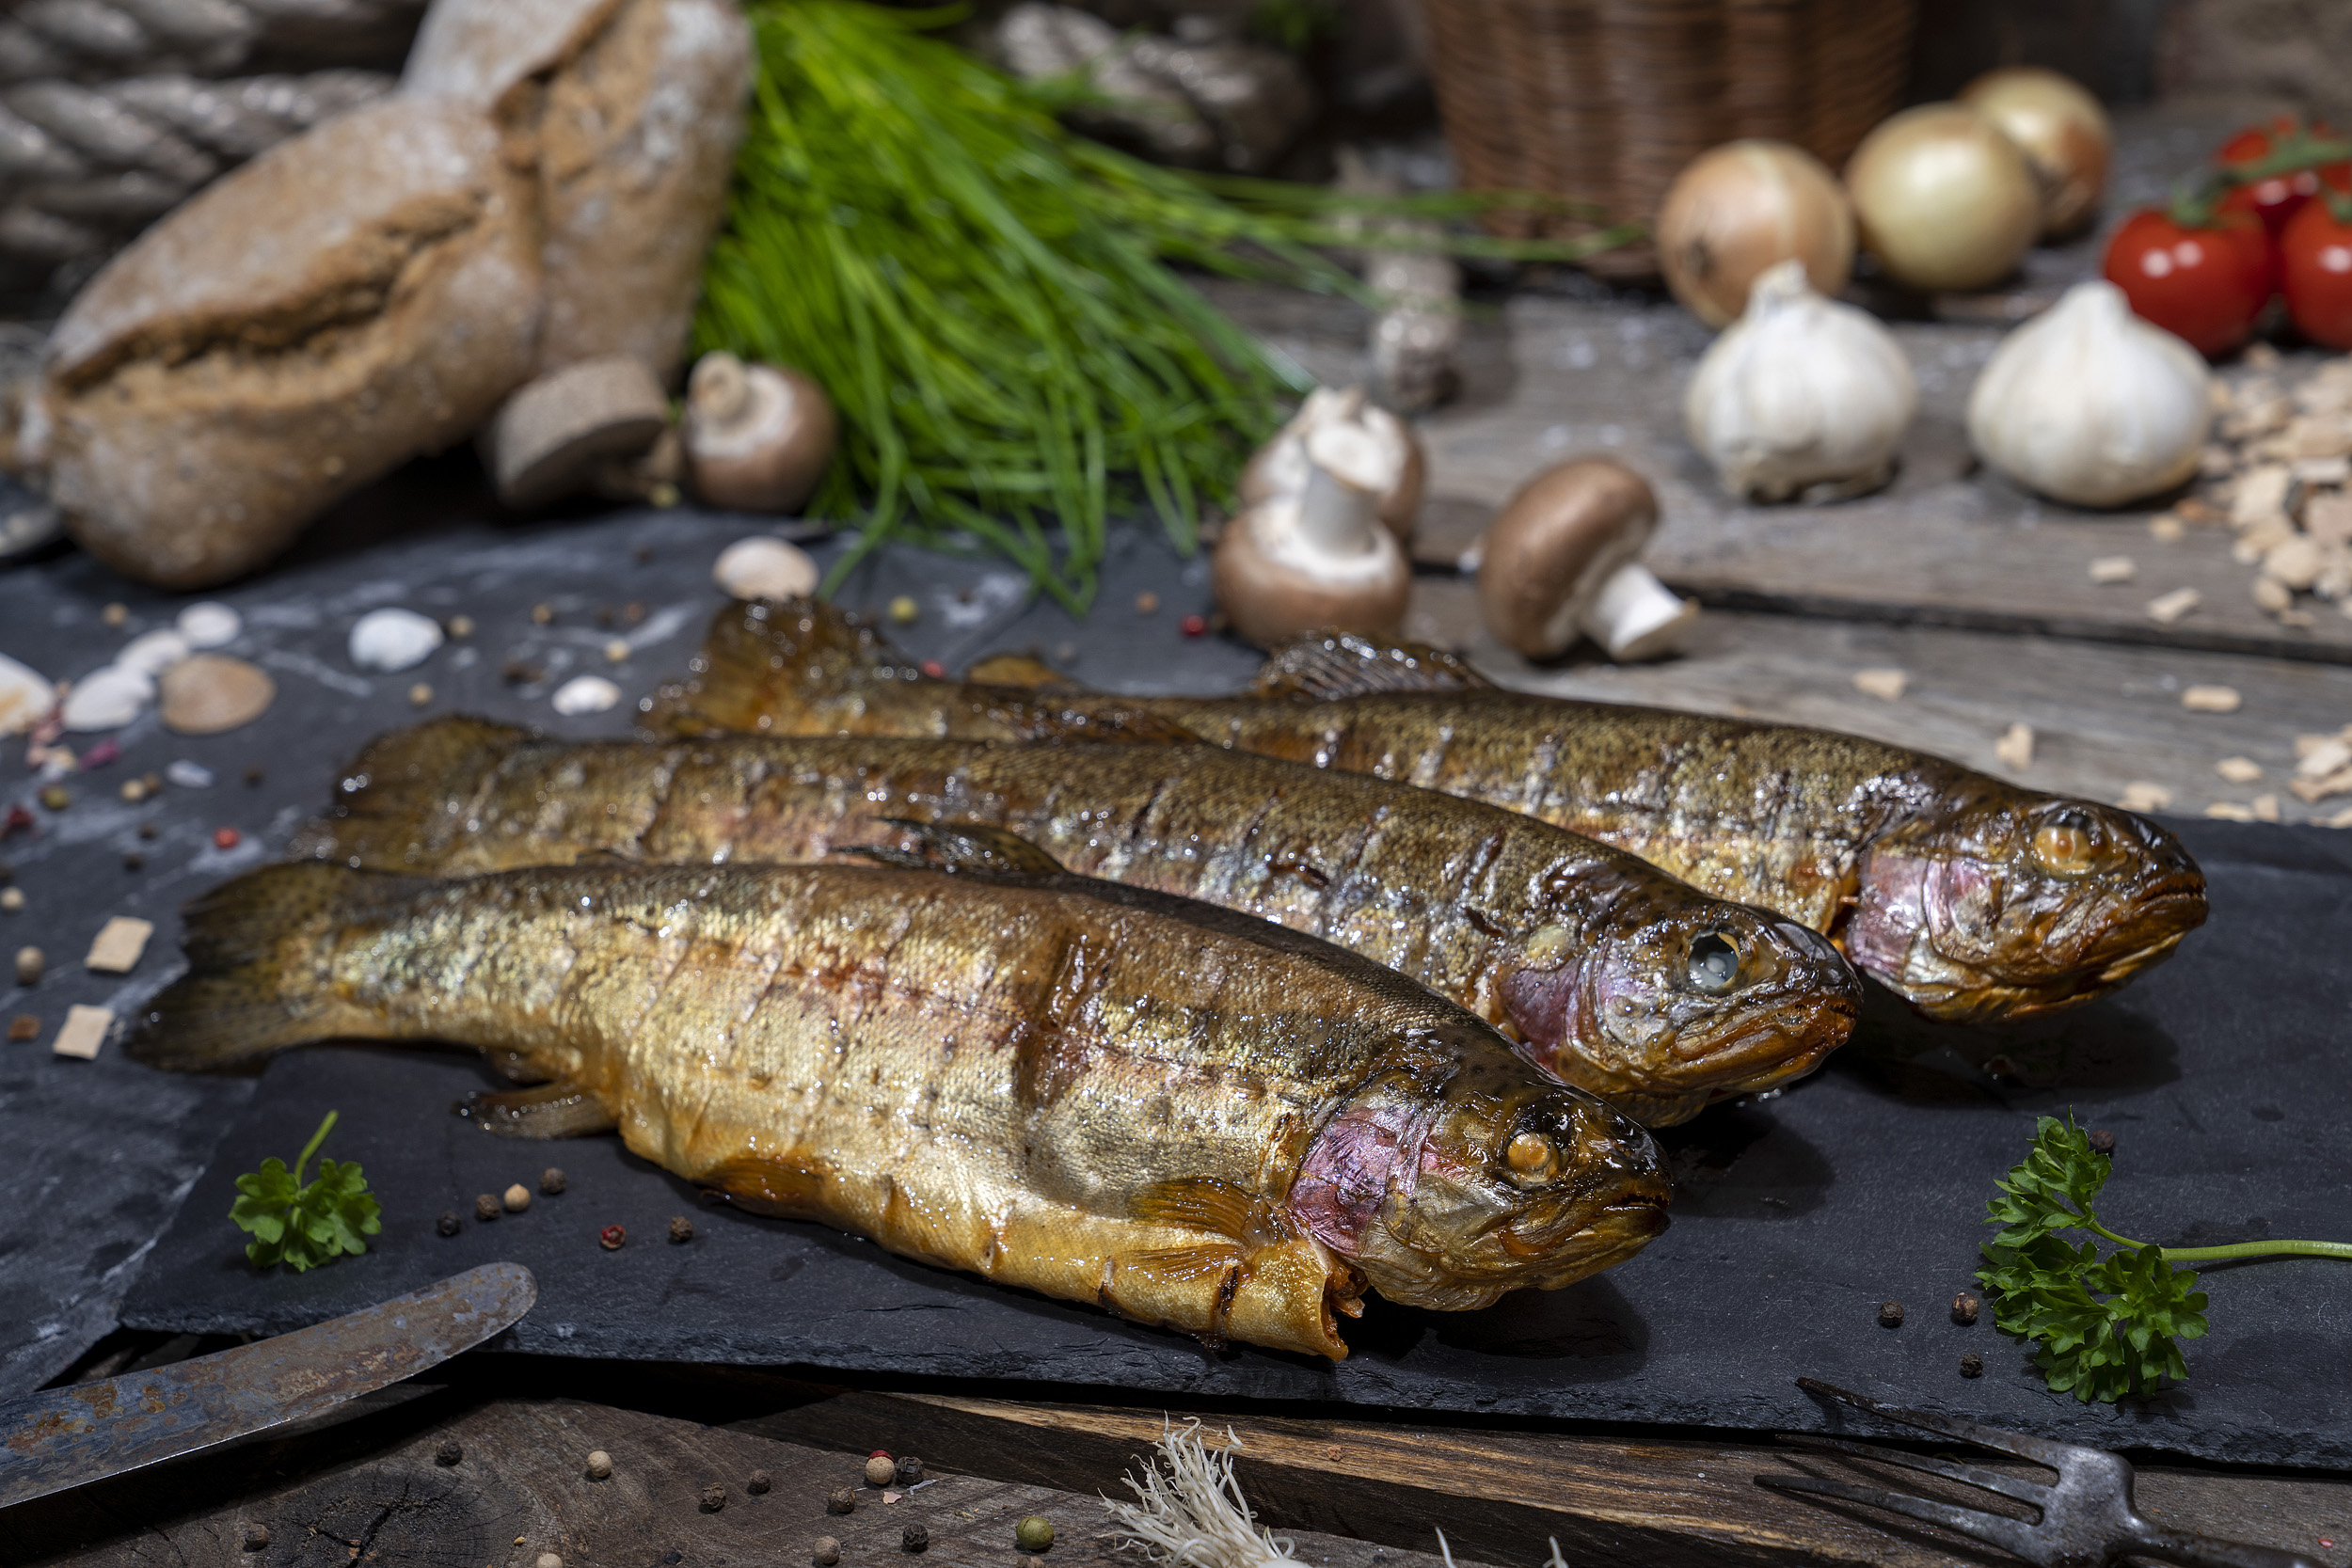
{"points": [[1033, 1533]]}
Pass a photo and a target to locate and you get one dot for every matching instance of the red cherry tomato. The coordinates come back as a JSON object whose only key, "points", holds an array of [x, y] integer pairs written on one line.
{"points": [[2315, 271], [2276, 200], [2206, 285]]}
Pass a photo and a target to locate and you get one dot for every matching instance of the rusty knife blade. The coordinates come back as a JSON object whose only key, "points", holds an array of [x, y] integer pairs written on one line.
{"points": [[66, 1437]]}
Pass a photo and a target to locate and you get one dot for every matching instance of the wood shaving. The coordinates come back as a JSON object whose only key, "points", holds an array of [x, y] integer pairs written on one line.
{"points": [[86, 1029], [2230, 811], [2168, 608], [2327, 754], [1887, 684], [2211, 699], [2273, 595], [2265, 808], [2015, 749], [2140, 795], [2239, 770], [2294, 561], [119, 943], [2113, 568]]}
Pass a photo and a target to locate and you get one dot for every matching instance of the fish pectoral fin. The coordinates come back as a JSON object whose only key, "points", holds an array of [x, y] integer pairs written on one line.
{"points": [[1325, 666], [962, 847], [1017, 670], [1207, 1203], [554, 1109], [1175, 1265]]}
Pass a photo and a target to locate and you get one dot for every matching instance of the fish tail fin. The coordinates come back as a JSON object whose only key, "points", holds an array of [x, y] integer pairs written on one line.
{"points": [[1325, 666], [763, 665], [254, 983], [393, 808]]}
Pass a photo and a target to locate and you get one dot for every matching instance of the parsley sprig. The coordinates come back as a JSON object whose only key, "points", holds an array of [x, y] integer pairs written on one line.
{"points": [[300, 1225], [2103, 1326]]}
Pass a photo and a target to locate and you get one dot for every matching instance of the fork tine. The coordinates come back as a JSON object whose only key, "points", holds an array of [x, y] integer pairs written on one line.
{"points": [[2007, 1486], [2011, 1535], [2042, 1451]]}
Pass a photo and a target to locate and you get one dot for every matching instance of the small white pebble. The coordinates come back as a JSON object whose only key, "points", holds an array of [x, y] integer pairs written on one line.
{"points": [[151, 653], [107, 699], [189, 775], [2211, 699], [616, 651], [2167, 527], [1887, 684], [2113, 568], [2140, 795], [760, 567], [391, 638], [2239, 770], [2164, 609], [209, 625], [2015, 749], [11, 900], [585, 694]]}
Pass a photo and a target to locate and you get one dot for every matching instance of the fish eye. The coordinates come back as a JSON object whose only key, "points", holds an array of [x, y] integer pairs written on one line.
{"points": [[1533, 1156], [1714, 963], [2068, 844]]}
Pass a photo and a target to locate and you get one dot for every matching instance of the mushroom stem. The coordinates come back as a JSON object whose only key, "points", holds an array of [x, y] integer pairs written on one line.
{"points": [[1347, 472], [1635, 616]]}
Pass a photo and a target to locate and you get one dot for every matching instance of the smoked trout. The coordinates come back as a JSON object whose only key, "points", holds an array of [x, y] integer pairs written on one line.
{"points": [[1192, 1117], [1611, 974], [1972, 898]]}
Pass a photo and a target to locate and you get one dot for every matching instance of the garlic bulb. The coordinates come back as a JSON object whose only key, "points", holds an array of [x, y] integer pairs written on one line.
{"points": [[1801, 395], [2088, 404]]}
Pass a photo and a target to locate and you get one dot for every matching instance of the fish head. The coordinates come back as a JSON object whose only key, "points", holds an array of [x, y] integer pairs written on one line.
{"points": [[1675, 1000], [1451, 1182], [2021, 905]]}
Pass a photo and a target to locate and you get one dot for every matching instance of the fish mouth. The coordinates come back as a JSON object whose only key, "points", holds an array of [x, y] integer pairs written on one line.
{"points": [[1611, 1237]]}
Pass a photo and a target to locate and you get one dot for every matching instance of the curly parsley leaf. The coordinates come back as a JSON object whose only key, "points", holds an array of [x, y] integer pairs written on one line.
{"points": [[303, 1225]]}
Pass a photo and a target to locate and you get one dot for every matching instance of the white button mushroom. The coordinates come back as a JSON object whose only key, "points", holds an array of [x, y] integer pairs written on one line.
{"points": [[1280, 467], [758, 436], [1558, 564], [1319, 558]]}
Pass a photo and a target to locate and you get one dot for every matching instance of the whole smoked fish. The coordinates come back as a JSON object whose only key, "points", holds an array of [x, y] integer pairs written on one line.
{"points": [[1972, 898], [1611, 975], [1192, 1117]]}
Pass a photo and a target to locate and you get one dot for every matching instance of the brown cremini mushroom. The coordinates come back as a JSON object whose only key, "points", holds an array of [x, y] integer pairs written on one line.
{"points": [[1280, 467], [1558, 564], [549, 439], [1319, 558], [758, 436]]}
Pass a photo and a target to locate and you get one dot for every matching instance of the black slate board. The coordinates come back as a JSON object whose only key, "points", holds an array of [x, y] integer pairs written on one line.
{"points": [[96, 1156], [1795, 1217]]}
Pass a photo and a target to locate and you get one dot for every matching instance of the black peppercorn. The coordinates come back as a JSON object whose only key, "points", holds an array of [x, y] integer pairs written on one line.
{"points": [[485, 1208], [681, 1229], [1890, 1314], [256, 1537], [714, 1497], [1964, 1309], [2103, 1142], [449, 1224], [759, 1482], [842, 1502], [552, 1181], [450, 1452], [1972, 1365], [914, 1538], [909, 1471]]}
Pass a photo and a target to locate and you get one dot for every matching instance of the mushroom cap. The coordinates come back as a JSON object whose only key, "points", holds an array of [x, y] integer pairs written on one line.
{"points": [[1271, 588], [1549, 551], [1279, 467], [766, 452], [547, 438]]}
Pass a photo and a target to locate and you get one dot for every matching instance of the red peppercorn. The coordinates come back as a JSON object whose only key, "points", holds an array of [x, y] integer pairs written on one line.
{"points": [[227, 838], [612, 1236], [18, 820], [932, 668], [1194, 625]]}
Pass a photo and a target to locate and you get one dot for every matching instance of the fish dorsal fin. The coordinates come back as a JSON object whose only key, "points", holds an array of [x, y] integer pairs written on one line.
{"points": [[770, 657], [962, 846], [1325, 666], [1017, 670]]}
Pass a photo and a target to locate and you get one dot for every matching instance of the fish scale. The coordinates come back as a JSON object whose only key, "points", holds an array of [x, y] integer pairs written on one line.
{"points": [[1533, 929]]}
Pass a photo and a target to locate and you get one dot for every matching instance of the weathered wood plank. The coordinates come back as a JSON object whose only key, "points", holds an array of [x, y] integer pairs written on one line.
{"points": [[2102, 716]]}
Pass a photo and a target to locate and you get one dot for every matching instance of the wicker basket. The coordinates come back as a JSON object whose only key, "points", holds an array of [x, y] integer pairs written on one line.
{"points": [[1605, 101]]}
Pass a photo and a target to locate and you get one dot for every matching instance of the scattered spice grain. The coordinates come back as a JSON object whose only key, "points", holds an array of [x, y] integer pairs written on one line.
{"points": [[420, 695], [1193, 625], [23, 1027], [681, 1229], [758, 1484], [227, 838], [827, 1552], [1971, 1365], [12, 899], [1890, 1314], [450, 1452], [612, 1236], [714, 1497], [517, 1199], [904, 612], [2103, 1142], [146, 830], [133, 861], [1033, 1533], [542, 614], [30, 962], [55, 797], [485, 1208], [1146, 603], [1964, 1307], [253, 776], [909, 1471], [843, 1500], [114, 614], [552, 1181], [460, 625], [914, 1538], [256, 1537], [449, 1224], [600, 1465]]}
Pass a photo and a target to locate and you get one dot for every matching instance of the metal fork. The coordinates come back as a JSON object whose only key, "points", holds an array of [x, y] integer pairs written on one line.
{"points": [[2088, 1518]]}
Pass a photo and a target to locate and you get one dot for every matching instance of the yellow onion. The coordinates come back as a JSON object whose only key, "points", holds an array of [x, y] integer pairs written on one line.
{"points": [[1742, 207], [1944, 200], [2062, 131]]}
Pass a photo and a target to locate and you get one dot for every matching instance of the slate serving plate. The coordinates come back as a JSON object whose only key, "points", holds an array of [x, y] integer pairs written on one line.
{"points": [[2221, 1073]]}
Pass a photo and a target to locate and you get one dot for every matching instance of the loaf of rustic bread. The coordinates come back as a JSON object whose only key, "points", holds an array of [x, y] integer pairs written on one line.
{"points": [[353, 298]]}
